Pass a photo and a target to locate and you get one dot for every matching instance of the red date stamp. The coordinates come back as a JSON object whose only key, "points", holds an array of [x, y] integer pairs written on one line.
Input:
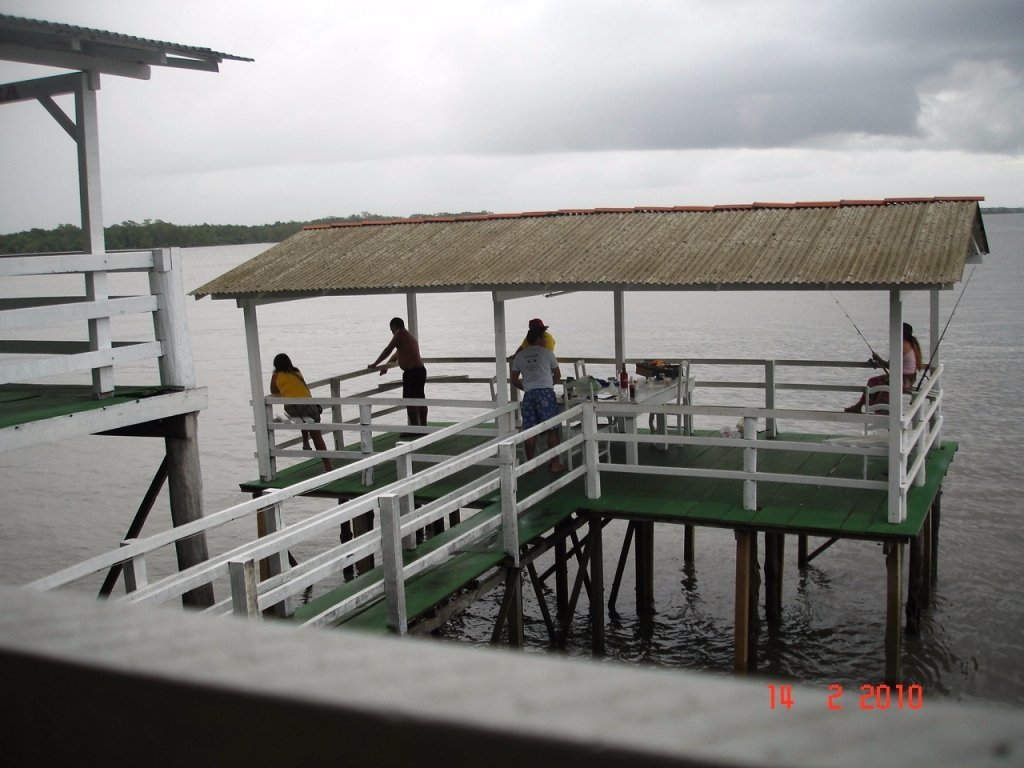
{"points": [[868, 697]]}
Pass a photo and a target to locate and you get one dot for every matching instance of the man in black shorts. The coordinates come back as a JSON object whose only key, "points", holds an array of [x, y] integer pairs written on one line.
{"points": [[414, 374]]}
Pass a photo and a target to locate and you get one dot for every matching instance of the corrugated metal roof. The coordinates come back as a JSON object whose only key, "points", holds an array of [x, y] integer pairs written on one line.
{"points": [[47, 42], [890, 243]]}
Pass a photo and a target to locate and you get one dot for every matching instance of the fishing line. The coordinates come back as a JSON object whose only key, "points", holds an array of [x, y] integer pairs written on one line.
{"points": [[835, 298], [935, 350]]}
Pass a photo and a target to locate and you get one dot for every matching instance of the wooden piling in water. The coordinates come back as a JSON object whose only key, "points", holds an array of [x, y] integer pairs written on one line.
{"points": [[894, 598], [644, 561], [596, 586], [742, 603], [185, 489], [774, 549]]}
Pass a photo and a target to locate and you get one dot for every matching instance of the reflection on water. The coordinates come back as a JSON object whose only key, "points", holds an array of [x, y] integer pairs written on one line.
{"points": [[63, 503]]}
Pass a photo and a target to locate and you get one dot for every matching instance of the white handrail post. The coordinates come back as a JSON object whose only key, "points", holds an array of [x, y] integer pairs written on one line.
{"points": [[591, 451], [96, 285], [270, 520], [771, 428], [921, 445], [170, 320], [135, 575], [391, 553], [897, 505], [750, 464], [366, 438], [262, 413], [403, 471], [509, 504], [243, 588]]}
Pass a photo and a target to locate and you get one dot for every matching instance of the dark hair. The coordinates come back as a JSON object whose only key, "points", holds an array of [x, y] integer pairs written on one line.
{"points": [[908, 331], [534, 334], [397, 322], [283, 363]]}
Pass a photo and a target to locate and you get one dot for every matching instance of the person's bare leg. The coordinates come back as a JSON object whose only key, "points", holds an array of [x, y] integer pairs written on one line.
{"points": [[553, 439], [530, 446], [318, 441]]}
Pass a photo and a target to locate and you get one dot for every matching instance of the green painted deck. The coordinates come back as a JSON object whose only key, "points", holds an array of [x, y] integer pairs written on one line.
{"points": [[24, 403], [813, 510]]}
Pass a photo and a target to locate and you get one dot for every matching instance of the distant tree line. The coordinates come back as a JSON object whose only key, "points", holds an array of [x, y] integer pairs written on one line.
{"points": [[130, 235]]}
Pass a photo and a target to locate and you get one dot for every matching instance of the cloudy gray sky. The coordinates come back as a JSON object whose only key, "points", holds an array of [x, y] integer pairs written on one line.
{"points": [[400, 107]]}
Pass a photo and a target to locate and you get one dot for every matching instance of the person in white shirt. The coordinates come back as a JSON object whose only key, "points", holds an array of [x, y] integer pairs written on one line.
{"points": [[535, 371]]}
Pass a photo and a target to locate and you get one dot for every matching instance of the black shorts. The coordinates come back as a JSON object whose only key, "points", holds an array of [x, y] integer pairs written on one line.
{"points": [[414, 381]]}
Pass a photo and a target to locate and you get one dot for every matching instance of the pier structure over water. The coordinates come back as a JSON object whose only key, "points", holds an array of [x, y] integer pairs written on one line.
{"points": [[65, 370], [430, 524]]}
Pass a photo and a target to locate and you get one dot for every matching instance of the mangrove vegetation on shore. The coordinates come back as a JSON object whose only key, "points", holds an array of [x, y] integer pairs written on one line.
{"points": [[131, 235]]}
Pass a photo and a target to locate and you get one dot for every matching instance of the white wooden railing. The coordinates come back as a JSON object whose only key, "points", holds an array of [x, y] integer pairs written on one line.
{"points": [[498, 456], [89, 312]]}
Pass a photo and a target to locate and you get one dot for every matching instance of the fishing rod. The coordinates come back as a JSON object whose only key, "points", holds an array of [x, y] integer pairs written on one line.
{"points": [[870, 348], [935, 349]]}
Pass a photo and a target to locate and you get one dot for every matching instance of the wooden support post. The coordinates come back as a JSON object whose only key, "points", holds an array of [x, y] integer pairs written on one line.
{"points": [[894, 599], [754, 593], [688, 542], [185, 488], [596, 586], [774, 544], [243, 588], [393, 565], [801, 552], [621, 567], [561, 576], [644, 560], [538, 591], [742, 607], [135, 528], [936, 514], [926, 561], [915, 584]]}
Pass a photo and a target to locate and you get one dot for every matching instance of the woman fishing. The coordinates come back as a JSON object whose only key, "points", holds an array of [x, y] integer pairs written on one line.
{"points": [[287, 381], [912, 363]]}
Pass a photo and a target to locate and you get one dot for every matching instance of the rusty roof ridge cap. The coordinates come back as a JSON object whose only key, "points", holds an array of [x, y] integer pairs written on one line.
{"points": [[757, 205]]}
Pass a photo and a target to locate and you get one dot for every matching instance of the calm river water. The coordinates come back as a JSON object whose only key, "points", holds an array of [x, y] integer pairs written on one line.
{"points": [[63, 503]]}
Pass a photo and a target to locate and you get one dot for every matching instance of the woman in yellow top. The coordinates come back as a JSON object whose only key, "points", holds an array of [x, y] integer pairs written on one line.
{"points": [[287, 381], [549, 340]]}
